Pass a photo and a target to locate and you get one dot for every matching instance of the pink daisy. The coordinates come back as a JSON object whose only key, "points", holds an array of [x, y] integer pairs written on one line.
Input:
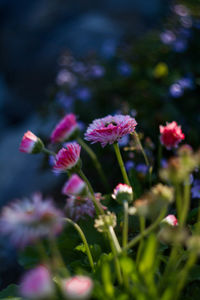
{"points": [[37, 284], [31, 143], [68, 157], [64, 129], [171, 135], [110, 129], [74, 186], [29, 219], [77, 287], [170, 220], [123, 192]]}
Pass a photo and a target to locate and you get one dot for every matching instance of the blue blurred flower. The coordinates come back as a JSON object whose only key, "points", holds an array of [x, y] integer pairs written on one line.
{"points": [[84, 94], [142, 168], [124, 68], [97, 71], [66, 77], [123, 141], [180, 45], [167, 37], [129, 164], [108, 49], [195, 190], [65, 101], [176, 90], [186, 83], [163, 163]]}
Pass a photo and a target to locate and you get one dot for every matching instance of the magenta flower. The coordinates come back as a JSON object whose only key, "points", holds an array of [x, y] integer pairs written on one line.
{"points": [[68, 157], [64, 129], [110, 129], [74, 186], [171, 135], [37, 284], [31, 143], [170, 220], [29, 219], [77, 287]]}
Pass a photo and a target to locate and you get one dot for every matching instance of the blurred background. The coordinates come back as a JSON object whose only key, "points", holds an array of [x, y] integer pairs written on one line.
{"points": [[145, 55]]}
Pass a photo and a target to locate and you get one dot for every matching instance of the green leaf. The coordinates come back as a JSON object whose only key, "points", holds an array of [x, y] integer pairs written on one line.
{"points": [[11, 292]]}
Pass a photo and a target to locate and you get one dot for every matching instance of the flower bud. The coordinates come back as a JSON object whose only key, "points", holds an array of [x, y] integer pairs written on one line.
{"points": [[77, 287], [104, 221], [31, 143], [123, 192]]}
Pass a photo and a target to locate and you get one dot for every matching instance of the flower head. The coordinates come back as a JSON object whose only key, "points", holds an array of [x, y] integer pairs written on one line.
{"points": [[105, 221], [37, 284], [171, 135], [64, 129], [29, 219], [74, 186], [31, 143], [68, 157], [110, 129], [77, 287], [170, 220], [123, 192]]}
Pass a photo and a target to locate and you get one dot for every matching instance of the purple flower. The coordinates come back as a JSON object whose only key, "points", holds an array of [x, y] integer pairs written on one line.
{"points": [[66, 77], [186, 83], [123, 141], [176, 90], [195, 190], [164, 163]]}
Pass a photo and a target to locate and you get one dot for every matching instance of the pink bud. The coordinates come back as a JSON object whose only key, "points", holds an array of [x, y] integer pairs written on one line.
{"points": [[31, 143], [77, 287]]}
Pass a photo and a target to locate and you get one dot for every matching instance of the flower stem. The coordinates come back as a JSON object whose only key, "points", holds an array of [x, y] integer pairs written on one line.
{"points": [[99, 209], [186, 204], [95, 161], [144, 155], [59, 263], [116, 260], [82, 235], [140, 236], [48, 152], [125, 225], [142, 228], [114, 239], [121, 164]]}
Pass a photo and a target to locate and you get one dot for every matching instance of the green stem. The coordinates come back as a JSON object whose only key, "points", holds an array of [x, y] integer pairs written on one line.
{"points": [[186, 202], [95, 161], [178, 200], [114, 239], [99, 209], [79, 230], [116, 260], [121, 164], [48, 152], [144, 155], [59, 263], [140, 236], [142, 228], [160, 148], [125, 225], [183, 274]]}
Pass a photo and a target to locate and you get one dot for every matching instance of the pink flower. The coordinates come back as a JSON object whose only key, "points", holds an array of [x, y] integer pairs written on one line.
{"points": [[28, 220], [74, 186], [110, 129], [64, 129], [68, 157], [77, 287], [37, 284], [171, 135], [123, 192], [170, 220], [31, 143]]}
